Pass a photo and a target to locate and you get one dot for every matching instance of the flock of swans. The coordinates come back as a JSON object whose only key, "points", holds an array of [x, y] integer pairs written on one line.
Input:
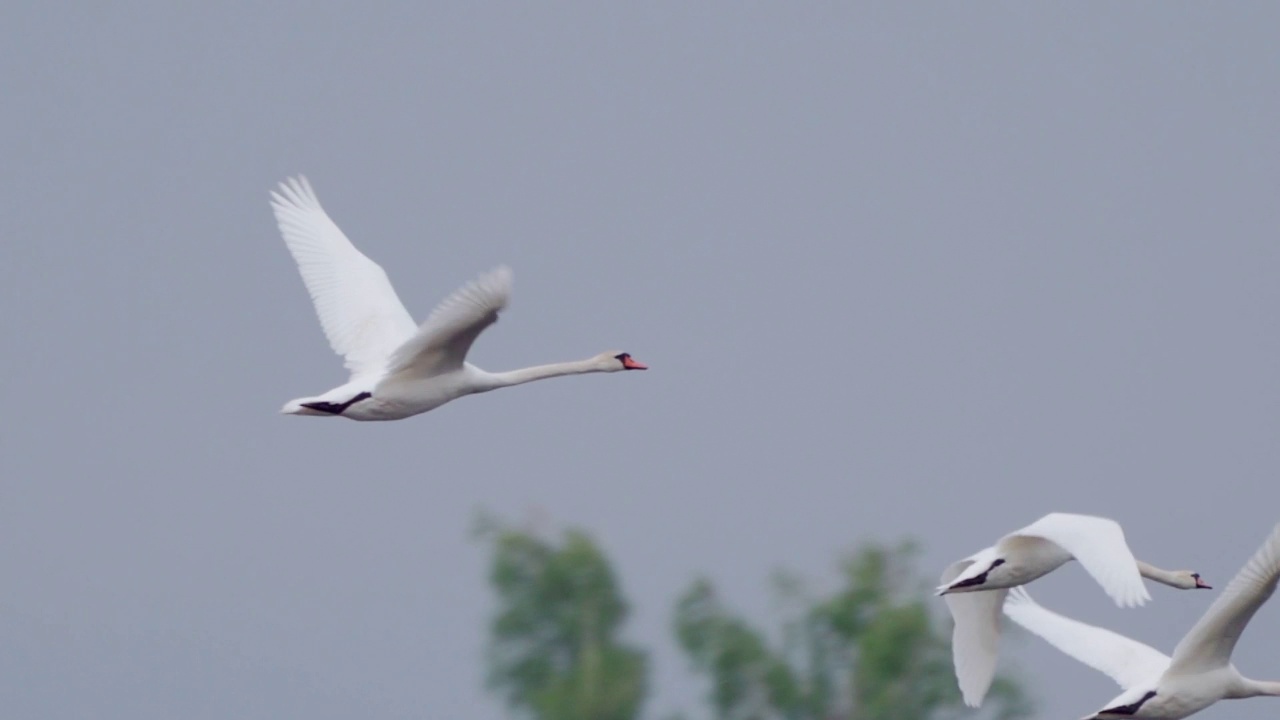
{"points": [[399, 368], [978, 588]]}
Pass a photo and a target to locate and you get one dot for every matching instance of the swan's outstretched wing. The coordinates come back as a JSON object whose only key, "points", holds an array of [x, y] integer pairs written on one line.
{"points": [[442, 342], [1209, 643], [1123, 659], [975, 639], [1099, 545], [359, 310]]}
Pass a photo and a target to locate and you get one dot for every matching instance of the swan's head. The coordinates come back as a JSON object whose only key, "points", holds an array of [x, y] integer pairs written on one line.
{"points": [[615, 360], [1188, 580]]}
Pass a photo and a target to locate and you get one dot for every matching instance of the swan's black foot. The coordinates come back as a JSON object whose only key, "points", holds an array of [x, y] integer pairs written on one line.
{"points": [[978, 579], [1130, 709], [337, 408]]}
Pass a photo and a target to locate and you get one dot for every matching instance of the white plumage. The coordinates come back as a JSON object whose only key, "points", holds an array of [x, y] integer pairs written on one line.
{"points": [[974, 588], [398, 368], [1155, 685]]}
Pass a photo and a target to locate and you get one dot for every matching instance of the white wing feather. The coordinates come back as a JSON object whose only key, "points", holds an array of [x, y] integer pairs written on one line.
{"points": [[1209, 643], [361, 315], [1099, 545], [1123, 659], [975, 639], [442, 342]]}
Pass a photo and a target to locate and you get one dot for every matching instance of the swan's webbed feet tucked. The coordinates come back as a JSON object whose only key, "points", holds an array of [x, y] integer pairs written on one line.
{"points": [[1127, 710], [975, 580], [336, 408]]}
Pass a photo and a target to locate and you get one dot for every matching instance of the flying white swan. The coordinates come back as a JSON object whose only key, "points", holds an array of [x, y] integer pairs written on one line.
{"points": [[974, 588], [1200, 672], [398, 368]]}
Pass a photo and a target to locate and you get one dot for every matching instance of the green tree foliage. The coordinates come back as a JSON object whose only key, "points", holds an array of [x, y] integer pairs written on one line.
{"points": [[873, 650], [554, 652]]}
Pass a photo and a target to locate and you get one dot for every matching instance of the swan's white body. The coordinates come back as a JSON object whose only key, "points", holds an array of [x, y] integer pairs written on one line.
{"points": [[398, 368], [1155, 685], [974, 588]]}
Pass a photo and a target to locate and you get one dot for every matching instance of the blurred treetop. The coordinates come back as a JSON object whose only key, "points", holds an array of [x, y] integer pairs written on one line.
{"points": [[875, 649], [554, 652]]}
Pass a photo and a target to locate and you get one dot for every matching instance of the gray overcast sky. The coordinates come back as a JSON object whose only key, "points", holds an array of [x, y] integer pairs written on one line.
{"points": [[900, 270]]}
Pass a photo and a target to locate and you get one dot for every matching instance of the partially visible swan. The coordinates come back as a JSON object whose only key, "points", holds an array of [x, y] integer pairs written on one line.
{"points": [[398, 368], [1200, 672], [975, 587]]}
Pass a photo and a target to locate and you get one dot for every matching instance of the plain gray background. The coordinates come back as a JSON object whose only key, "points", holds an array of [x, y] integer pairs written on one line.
{"points": [[900, 270]]}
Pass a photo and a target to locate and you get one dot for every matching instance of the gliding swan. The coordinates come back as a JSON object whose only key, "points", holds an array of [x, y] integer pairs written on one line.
{"points": [[398, 368]]}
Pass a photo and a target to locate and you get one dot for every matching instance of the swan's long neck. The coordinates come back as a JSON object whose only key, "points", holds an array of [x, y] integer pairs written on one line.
{"points": [[493, 381], [1246, 688], [1151, 572]]}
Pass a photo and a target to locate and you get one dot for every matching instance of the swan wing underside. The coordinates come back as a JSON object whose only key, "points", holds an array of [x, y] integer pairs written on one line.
{"points": [[975, 638], [358, 308], [1123, 659], [1209, 643], [1099, 545], [443, 340]]}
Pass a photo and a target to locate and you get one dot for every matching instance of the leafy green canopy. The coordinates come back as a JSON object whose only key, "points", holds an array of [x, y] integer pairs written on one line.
{"points": [[875, 649], [554, 652]]}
